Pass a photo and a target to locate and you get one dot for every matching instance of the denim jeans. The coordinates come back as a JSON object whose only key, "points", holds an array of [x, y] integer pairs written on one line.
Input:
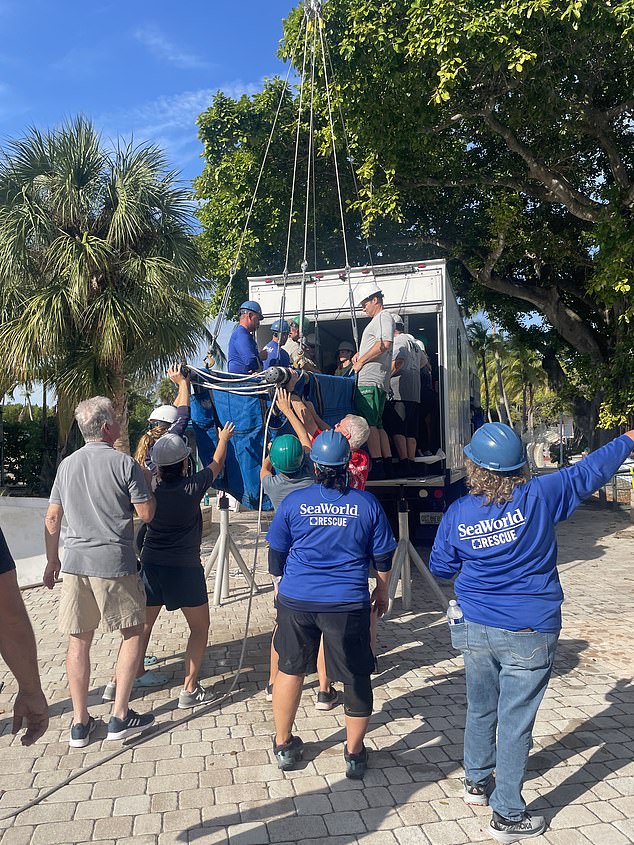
{"points": [[507, 674]]}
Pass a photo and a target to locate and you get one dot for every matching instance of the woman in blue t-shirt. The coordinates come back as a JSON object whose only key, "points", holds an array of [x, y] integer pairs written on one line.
{"points": [[500, 541], [322, 541]]}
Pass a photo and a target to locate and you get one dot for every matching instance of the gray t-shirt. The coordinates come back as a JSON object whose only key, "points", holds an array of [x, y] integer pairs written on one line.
{"points": [[173, 537], [405, 385], [377, 373], [97, 486], [277, 487]]}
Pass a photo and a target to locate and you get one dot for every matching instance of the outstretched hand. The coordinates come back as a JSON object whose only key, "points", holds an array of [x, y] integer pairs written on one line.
{"points": [[283, 401], [226, 433], [174, 374]]}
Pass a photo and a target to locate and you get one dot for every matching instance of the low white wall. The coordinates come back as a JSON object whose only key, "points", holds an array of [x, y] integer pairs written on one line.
{"points": [[22, 522]]}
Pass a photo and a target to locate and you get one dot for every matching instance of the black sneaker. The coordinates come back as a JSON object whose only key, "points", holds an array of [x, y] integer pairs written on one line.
{"points": [[476, 793], [80, 734], [327, 700], [356, 764], [288, 754], [132, 724], [505, 830]]}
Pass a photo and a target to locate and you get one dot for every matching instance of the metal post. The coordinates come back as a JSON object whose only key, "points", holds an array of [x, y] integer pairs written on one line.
{"points": [[561, 440], [222, 564]]}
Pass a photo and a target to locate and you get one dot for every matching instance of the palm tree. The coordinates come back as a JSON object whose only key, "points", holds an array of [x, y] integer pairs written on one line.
{"points": [[523, 376], [480, 340], [100, 276]]}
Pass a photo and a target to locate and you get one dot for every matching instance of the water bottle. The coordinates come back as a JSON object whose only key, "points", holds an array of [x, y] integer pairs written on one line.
{"points": [[454, 613]]}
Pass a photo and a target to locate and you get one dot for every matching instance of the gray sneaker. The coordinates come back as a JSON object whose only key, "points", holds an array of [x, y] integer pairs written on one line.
{"points": [[507, 831], [109, 691], [191, 699]]}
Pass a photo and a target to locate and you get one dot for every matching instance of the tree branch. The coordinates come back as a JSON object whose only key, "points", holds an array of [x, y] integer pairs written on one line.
{"points": [[577, 203], [546, 300], [537, 192], [596, 125]]}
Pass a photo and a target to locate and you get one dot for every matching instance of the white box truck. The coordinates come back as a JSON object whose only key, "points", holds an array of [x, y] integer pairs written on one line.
{"points": [[420, 291]]}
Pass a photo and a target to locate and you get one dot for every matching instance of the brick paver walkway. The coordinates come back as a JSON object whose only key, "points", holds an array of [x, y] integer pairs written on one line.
{"points": [[213, 780]]}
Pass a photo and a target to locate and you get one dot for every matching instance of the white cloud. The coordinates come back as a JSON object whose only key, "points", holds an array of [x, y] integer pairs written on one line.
{"points": [[170, 121], [164, 49]]}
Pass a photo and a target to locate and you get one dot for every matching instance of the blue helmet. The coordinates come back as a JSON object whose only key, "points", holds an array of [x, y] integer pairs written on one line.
{"points": [[251, 305], [280, 327], [330, 449], [495, 446]]}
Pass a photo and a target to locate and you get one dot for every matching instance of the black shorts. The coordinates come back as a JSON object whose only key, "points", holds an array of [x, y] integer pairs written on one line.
{"points": [[401, 418], [174, 586], [346, 642]]}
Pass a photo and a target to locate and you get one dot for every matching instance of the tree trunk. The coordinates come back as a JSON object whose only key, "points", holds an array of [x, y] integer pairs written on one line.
{"points": [[120, 402], [506, 417], [531, 408], [487, 392], [524, 407]]}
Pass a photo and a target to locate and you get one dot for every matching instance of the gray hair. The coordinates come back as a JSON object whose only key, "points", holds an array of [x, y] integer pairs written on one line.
{"points": [[91, 414], [357, 428]]}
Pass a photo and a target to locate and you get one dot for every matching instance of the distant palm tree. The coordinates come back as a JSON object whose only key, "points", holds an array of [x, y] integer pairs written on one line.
{"points": [[480, 340], [100, 278], [523, 377]]}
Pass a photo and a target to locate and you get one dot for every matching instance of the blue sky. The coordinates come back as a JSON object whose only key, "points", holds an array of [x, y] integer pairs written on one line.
{"points": [[142, 68]]}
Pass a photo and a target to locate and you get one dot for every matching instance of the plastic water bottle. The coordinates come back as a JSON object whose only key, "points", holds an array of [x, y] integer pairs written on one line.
{"points": [[455, 615]]}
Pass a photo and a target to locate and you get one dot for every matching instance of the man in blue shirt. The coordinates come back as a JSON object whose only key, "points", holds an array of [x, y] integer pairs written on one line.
{"points": [[322, 542], [243, 357], [500, 541], [277, 356]]}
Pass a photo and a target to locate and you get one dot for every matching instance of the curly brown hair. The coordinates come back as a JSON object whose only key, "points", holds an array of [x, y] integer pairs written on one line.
{"points": [[496, 487], [147, 440]]}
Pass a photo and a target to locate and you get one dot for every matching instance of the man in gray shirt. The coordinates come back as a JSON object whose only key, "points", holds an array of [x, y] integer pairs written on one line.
{"points": [[373, 363], [401, 414], [96, 488]]}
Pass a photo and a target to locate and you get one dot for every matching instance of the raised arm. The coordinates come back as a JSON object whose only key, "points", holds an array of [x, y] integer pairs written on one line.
{"points": [[182, 401], [218, 461], [286, 407]]}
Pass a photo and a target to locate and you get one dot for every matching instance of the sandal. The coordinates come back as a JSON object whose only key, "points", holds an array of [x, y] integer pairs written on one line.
{"points": [[151, 679], [150, 660]]}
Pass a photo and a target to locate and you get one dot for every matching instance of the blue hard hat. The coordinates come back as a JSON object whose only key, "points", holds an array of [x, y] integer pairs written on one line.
{"points": [[280, 326], [495, 446], [330, 449], [251, 305]]}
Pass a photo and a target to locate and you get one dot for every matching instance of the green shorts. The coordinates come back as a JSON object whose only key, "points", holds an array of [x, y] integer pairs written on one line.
{"points": [[369, 402]]}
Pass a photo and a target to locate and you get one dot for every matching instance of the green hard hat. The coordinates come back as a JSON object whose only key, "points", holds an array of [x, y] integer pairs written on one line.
{"points": [[287, 453], [295, 320]]}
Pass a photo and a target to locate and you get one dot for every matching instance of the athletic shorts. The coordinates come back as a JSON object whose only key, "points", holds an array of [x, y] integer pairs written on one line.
{"points": [[401, 418], [174, 586], [86, 601], [346, 642], [369, 402]]}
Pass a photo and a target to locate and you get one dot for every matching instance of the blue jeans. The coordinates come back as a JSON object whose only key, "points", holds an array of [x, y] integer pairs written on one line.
{"points": [[507, 674]]}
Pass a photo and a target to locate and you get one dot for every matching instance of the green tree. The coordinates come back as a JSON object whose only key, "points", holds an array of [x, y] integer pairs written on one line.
{"points": [[235, 135], [100, 276], [480, 340], [500, 133]]}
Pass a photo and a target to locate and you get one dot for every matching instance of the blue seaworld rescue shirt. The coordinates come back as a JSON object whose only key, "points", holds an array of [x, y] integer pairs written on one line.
{"points": [[243, 354], [506, 555], [277, 357], [329, 539]]}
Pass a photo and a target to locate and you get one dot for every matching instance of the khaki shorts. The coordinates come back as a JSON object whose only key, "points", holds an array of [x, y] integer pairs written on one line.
{"points": [[115, 602]]}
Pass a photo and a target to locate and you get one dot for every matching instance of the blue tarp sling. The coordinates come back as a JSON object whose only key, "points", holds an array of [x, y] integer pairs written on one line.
{"points": [[332, 396]]}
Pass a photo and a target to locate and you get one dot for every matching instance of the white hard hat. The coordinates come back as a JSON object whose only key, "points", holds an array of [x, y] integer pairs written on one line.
{"points": [[164, 413], [169, 449], [398, 319], [366, 291]]}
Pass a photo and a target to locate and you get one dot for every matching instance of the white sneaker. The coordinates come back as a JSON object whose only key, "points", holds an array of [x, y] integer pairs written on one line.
{"points": [[510, 831]]}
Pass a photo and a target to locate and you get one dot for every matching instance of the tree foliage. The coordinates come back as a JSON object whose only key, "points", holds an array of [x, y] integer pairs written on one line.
{"points": [[500, 132], [100, 276]]}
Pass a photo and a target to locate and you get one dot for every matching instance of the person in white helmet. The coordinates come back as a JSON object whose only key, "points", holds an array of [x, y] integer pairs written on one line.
{"points": [[373, 364], [164, 419], [344, 358]]}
